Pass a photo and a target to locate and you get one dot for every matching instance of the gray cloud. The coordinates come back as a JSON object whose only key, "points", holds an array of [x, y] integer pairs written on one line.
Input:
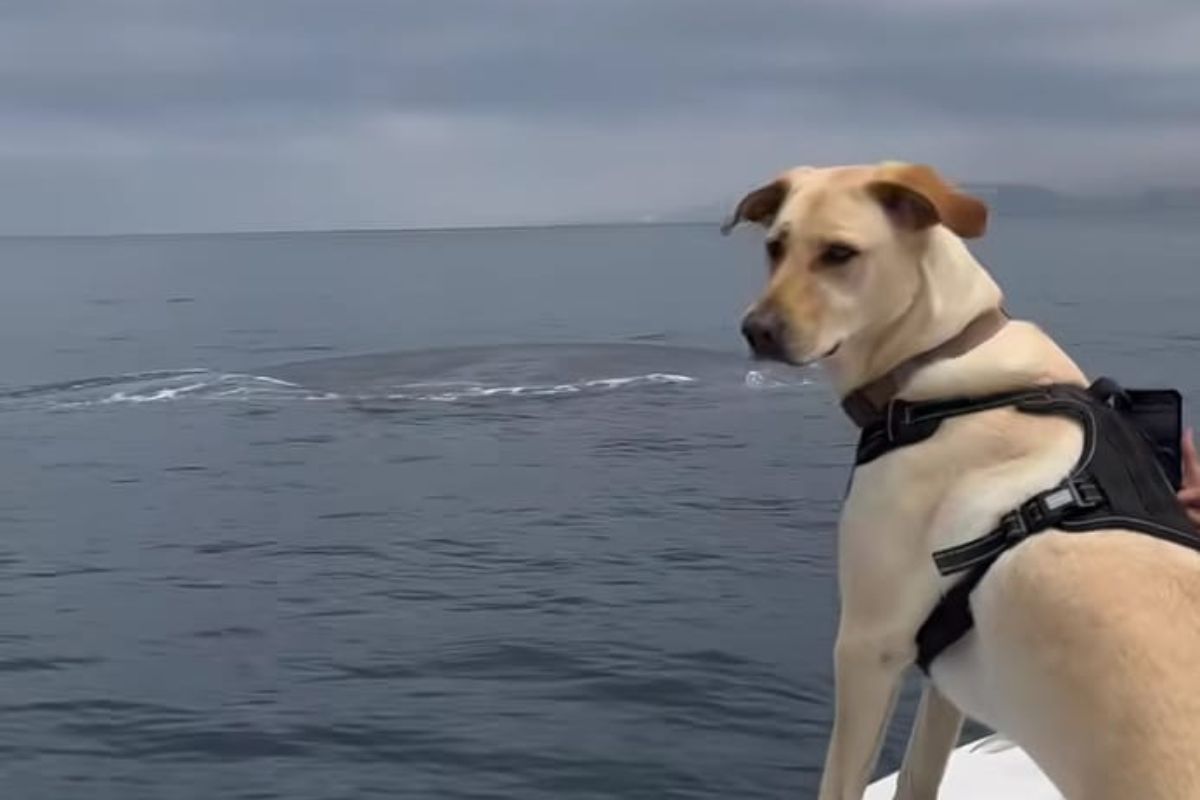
{"points": [[227, 114]]}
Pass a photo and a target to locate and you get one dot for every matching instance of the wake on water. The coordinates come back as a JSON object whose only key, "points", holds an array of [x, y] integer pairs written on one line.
{"points": [[426, 376]]}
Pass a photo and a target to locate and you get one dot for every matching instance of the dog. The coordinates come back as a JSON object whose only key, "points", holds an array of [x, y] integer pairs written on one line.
{"points": [[1085, 650]]}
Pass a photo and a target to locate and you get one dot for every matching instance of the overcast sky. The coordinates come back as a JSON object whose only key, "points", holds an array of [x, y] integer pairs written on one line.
{"points": [[161, 115]]}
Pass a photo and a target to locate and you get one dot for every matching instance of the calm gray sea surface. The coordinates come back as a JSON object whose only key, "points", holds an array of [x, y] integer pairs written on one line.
{"points": [[475, 514]]}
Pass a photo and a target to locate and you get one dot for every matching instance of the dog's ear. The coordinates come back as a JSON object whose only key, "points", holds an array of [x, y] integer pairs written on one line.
{"points": [[760, 206], [916, 197]]}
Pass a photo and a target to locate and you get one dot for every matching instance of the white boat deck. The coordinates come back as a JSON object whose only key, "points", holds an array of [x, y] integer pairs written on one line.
{"points": [[987, 769]]}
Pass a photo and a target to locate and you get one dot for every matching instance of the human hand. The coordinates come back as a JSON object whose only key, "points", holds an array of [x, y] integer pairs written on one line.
{"points": [[1189, 491]]}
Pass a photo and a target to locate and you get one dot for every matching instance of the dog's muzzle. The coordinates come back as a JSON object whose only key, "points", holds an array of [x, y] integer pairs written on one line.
{"points": [[766, 333]]}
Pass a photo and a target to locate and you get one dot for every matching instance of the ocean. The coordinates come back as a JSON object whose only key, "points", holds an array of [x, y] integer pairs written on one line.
{"points": [[452, 514]]}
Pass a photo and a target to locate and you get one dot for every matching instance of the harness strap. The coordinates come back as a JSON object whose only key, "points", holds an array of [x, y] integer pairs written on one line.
{"points": [[1119, 481], [951, 618], [903, 423], [1042, 511]]}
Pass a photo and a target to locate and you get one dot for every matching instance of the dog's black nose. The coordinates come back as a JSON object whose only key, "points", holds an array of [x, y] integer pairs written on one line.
{"points": [[766, 332]]}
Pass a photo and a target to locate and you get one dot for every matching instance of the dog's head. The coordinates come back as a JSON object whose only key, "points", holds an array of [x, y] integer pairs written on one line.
{"points": [[845, 248]]}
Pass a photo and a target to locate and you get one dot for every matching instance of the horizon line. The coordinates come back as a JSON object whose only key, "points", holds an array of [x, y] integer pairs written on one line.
{"points": [[497, 227]]}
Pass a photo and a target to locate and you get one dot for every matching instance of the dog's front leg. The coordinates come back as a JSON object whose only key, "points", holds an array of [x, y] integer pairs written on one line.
{"points": [[934, 734], [868, 672]]}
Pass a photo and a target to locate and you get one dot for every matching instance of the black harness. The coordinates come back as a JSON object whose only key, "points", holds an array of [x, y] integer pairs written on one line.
{"points": [[1126, 477]]}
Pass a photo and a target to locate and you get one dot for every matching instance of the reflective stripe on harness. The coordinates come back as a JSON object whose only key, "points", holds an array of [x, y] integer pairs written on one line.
{"points": [[1042, 511]]}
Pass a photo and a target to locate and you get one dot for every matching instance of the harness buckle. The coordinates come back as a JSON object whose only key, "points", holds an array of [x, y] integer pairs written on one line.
{"points": [[1110, 393], [1085, 493], [1013, 526], [1050, 508]]}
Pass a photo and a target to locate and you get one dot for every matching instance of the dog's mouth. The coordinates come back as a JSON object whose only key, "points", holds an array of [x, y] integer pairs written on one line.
{"points": [[831, 352], [785, 357], [828, 354]]}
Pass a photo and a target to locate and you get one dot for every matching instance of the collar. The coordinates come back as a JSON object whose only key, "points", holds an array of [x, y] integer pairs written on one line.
{"points": [[868, 403]]}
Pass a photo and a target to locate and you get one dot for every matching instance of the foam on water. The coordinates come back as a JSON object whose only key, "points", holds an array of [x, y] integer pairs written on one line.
{"points": [[464, 391], [160, 386], [763, 379], [448, 376], [199, 385]]}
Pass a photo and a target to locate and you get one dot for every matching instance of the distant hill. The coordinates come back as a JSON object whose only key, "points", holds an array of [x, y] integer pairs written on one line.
{"points": [[1019, 199], [1024, 199]]}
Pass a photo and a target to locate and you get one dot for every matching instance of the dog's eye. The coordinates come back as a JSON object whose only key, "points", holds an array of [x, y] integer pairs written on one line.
{"points": [[774, 250], [836, 254]]}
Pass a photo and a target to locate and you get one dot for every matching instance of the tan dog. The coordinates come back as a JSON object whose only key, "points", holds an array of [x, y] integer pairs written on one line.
{"points": [[1086, 647]]}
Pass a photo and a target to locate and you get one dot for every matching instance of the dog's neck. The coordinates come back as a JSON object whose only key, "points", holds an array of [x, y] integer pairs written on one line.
{"points": [[951, 307], [868, 404]]}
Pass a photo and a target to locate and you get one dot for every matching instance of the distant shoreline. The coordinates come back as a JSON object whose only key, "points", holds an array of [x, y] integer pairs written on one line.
{"points": [[1006, 201]]}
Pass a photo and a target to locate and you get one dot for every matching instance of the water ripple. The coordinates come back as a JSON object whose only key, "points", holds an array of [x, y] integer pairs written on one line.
{"points": [[44, 664]]}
